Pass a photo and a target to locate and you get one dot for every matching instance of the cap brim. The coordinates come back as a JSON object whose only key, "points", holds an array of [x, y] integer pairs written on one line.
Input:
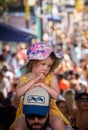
{"points": [[40, 110]]}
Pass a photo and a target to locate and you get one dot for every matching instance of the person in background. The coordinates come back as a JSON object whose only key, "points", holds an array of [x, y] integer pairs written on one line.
{"points": [[6, 53], [4, 84], [63, 83], [10, 76], [14, 65], [61, 104], [69, 96], [80, 120]]}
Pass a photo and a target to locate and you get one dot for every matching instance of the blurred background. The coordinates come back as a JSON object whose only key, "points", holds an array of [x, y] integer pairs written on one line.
{"points": [[63, 23]]}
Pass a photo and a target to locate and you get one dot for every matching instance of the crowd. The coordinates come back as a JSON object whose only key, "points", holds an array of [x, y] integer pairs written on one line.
{"points": [[70, 94]]}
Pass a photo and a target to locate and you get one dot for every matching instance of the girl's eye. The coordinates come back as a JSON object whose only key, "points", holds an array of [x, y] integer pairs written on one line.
{"points": [[49, 66], [43, 63]]}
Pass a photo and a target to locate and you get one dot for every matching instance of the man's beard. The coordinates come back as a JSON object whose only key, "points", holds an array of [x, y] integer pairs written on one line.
{"points": [[42, 127]]}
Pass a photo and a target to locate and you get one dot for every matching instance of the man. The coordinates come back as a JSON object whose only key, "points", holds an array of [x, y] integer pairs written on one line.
{"points": [[35, 110]]}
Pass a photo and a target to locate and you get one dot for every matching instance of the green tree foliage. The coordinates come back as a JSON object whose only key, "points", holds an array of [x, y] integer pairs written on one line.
{"points": [[4, 4]]}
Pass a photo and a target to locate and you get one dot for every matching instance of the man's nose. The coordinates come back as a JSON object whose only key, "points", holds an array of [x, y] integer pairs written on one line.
{"points": [[36, 119]]}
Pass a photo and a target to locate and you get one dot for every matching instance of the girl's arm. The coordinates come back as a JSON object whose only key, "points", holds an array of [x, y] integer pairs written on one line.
{"points": [[53, 89], [24, 84]]}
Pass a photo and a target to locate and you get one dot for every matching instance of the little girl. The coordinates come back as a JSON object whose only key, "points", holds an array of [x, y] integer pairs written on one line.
{"points": [[38, 71]]}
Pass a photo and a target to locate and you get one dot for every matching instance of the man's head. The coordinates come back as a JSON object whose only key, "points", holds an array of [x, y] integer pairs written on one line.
{"points": [[35, 108]]}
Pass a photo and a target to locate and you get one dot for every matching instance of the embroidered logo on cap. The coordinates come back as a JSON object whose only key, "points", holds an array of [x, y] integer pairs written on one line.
{"points": [[36, 99]]}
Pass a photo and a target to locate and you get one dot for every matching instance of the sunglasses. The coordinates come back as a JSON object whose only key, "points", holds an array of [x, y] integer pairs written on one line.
{"points": [[83, 99], [32, 116]]}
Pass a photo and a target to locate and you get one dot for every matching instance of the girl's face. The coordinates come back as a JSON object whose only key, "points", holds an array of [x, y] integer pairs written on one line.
{"points": [[43, 66]]}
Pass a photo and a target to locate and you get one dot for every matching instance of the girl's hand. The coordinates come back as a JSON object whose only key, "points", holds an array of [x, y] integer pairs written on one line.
{"points": [[41, 77], [38, 81]]}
